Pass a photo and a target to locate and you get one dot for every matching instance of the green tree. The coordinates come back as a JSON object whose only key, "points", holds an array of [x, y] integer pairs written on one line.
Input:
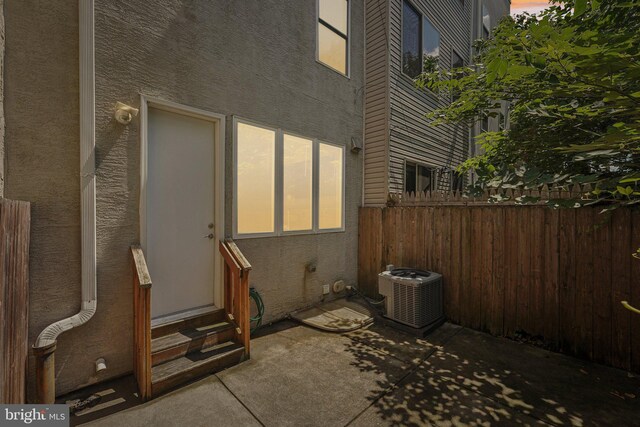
{"points": [[572, 79]]}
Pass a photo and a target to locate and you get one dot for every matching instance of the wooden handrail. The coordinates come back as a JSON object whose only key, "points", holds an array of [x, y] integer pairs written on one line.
{"points": [[238, 255], [236, 290], [141, 270], [142, 322]]}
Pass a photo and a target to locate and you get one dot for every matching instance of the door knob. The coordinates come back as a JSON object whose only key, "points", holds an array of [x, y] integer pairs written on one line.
{"points": [[208, 236]]}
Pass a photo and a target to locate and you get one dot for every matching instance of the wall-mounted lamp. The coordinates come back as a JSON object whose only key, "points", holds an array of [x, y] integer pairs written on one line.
{"points": [[356, 145], [125, 113]]}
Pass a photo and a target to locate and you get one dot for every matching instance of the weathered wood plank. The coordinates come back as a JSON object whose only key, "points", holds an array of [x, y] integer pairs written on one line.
{"points": [[537, 266], [551, 257], [15, 221], [523, 264], [497, 270], [485, 255], [476, 286], [621, 249], [584, 283], [466, 254], [634, 298], [452, 290], [602, 300], [567, 278], [512, 274]]}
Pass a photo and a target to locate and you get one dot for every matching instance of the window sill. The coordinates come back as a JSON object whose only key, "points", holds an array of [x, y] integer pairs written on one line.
{"points": [[347, 76], [286, 234]]}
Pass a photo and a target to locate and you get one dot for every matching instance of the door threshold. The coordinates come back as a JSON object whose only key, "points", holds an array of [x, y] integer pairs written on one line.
{"points": [[184, 314]]}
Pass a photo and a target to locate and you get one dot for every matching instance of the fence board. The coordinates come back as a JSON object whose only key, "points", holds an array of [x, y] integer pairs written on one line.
{"points": [[512, 273], [621, 264], [551, 257], [584, 283], [632, 288], [508, 268], [602, 300], [14, 299]]}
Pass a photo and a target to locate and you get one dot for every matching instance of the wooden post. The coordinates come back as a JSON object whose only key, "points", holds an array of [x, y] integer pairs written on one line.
{"points": [[142, 323], [15, 218]]}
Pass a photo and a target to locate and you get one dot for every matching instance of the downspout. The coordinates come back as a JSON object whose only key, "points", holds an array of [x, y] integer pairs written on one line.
{"points": [[45, 345]]}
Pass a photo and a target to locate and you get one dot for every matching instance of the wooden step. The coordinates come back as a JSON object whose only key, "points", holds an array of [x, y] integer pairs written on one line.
{"points": [[189, 340], [194, 365], [193, 319]]}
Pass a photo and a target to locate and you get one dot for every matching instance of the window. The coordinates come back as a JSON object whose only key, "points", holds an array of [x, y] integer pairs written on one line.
{"points": [[255, 179], [502, 121], [456, 64], [333, 34], [420, 42], [330, 191], [484, 123], [297, 183], [456, 60], [431, 45], [418, 178], [411, 41], [286, 183], [486, 22]]}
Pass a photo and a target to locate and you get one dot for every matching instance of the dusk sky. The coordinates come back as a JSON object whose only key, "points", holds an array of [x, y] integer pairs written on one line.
{"points": [[531, 6]]}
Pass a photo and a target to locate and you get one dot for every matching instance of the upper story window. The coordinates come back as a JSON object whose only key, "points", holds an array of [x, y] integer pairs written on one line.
{"points": [[333, 34], [430, 43], [285, 183], [486, 22], [420, 42], [411, 41]]}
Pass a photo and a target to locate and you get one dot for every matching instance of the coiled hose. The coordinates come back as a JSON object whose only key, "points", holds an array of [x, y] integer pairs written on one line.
{"points": [[256, 321]]}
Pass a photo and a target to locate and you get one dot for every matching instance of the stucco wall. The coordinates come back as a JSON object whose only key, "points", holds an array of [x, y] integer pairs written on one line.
{"points": [[254, 59]]}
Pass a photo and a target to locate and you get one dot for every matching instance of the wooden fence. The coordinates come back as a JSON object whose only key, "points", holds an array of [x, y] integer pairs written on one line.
{"points": [[14, 299], [558, 275]]}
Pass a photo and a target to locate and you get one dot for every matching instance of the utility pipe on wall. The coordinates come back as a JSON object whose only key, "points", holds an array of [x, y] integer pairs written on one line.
{"points": [[45, 345]]}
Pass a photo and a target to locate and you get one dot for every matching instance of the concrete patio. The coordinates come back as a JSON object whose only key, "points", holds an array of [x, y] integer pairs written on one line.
{"points": [[299, 376]]}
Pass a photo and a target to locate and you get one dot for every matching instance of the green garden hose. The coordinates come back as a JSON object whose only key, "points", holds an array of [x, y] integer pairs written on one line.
{"points": [[257, 320]]}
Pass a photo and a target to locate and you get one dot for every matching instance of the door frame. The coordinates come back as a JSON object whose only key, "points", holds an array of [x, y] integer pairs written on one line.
{"points": [[219, 185]]}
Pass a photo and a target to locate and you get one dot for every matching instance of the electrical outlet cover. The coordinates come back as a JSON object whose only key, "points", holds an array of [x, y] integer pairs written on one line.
{"points": [[325, 289]]}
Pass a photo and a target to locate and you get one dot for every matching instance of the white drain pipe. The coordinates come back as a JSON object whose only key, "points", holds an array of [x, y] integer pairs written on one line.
{"points": [[45, 345]]}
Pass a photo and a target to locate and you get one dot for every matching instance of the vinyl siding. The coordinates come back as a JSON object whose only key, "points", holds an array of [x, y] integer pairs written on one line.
{"points": [[412, 137], [376, 106]]}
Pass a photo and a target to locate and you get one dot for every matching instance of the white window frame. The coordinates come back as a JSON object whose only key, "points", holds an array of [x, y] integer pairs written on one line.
{"points": [[318, 23], [279, 184]]}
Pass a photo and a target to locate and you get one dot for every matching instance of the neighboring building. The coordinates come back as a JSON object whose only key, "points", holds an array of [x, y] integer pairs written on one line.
{"points": [[403, 151], [248, 111]]}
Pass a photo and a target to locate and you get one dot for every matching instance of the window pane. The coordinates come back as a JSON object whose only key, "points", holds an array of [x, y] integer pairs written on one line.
{"points": [[332, 49], [486, 22], [411, 58], [255, 179], [425, 179], [335, 13], [456, 61], [410, 178], [297, 183], [330, 192], [430, 41]]}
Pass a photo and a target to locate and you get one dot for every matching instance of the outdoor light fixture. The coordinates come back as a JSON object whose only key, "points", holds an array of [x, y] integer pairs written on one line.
{"points": [[125, 113], [356, 145]]}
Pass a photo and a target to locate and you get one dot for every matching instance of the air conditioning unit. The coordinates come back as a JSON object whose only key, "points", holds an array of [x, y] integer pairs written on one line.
{"points": [[412, 297]]}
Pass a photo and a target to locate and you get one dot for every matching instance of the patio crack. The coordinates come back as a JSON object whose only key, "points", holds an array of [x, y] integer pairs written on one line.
{"points": [[239, 400]]}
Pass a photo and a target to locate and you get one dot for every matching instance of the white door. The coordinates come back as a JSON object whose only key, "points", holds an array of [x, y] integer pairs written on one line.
{"points": [[180, 248]]}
